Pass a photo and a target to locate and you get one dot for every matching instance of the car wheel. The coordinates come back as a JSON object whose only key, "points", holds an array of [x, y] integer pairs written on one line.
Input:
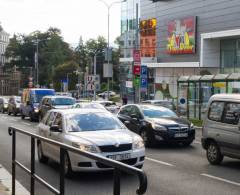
{"points": [[41, 157], [68, 167], [22, 116], [15, 113], [31, 118], [214, 154], [9, 113], [3, 111], [147, 138]]}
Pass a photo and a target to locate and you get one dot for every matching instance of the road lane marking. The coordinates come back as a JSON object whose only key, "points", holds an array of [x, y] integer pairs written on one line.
{"points": [[221, 179], [26, 124], [160, 162]]}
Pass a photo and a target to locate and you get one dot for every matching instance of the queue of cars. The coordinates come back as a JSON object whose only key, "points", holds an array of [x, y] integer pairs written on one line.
{"points": [[122, 133]]}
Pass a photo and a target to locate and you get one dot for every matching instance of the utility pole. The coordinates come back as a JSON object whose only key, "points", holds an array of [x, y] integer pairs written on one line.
{"points": [[94, 72], [36, 63]]}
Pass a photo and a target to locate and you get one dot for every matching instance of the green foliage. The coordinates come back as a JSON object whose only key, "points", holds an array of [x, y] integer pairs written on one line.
{"points": [[196, 122], [61, 72], [115, 99]]}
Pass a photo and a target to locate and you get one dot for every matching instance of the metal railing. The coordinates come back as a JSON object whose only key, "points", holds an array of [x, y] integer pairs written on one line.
{"points": [[117, 166]]}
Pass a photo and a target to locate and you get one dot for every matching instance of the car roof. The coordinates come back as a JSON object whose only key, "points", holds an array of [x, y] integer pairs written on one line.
{"points": [[79, 111], [147, 106], [230, 97], [57, 96], [156, 101]]}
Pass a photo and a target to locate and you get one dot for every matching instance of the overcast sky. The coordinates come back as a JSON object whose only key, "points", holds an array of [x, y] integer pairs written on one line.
{"points": [[73, 17]]}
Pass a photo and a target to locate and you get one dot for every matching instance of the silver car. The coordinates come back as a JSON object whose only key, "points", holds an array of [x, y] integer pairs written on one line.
{"points": [[91, 130]]}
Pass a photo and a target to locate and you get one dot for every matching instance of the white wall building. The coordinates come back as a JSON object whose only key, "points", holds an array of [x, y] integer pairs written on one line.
{"points": [[4, 41]]}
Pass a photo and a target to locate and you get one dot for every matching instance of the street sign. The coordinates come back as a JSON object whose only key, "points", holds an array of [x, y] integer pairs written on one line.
{"points": [[93, 82], [136, 81], [129, 84], [144, 71], [107, 70], [136, 55], [144, 83], [136, 70]]}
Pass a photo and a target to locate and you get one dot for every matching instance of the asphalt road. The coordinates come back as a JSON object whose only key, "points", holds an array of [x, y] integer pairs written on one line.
{"points": [[171, 170]]}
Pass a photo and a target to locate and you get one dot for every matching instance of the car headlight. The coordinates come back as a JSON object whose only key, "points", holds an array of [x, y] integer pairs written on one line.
{"points": [[87, 148], [36, 110], [138, 143], [158, 127], [191, 126], [5, 105]]}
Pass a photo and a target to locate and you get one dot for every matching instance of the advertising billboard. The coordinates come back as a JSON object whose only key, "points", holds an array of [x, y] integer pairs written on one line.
{"points": [[182, 36], [148, 37]]}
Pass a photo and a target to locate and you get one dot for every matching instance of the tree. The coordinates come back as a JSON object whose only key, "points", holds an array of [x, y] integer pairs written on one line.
{"points": [[61, 72], [52, 51]]}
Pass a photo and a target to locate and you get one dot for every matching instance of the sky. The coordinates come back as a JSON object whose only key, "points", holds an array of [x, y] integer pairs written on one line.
{"points": [[75, 18]]}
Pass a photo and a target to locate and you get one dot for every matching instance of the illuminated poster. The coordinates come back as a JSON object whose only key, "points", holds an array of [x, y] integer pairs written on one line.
{"points": [[148, 37], [181, 36]]}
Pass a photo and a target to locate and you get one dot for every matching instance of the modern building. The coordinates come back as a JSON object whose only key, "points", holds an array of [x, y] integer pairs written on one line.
{"points": [[192, 37], [129, 12], [4, 40]]}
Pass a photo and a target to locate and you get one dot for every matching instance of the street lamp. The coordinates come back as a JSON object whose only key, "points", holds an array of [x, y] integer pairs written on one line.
{"points": [[36, 59], [108, 8]]}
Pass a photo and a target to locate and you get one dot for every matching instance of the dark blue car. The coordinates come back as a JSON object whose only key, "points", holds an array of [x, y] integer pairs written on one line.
{"points": [[30, 102]]}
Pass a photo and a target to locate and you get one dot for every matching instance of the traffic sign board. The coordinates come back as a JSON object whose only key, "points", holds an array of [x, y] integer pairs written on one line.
{"points": [[143, 71], [136, 70]]}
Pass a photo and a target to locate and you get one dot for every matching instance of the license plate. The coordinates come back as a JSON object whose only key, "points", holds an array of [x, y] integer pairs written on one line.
{"points": [[181, 135], [120, 156]]}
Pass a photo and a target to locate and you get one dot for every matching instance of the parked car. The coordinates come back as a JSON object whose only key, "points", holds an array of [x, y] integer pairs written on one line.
{"points": [[89, 105], [55, 102], [91, 130], [14, 105], [30, 102], [220, 134], [3, 104], [165, 103], [109, 105], [105, 94], [156, 124]]}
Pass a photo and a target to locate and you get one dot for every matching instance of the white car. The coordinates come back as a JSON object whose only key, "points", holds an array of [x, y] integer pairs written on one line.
{"points": [[105, 93], [91, 130], [109, 105]]}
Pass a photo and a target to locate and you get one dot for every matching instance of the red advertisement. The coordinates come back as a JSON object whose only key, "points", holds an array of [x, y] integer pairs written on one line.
{"points": [[181, 36]]}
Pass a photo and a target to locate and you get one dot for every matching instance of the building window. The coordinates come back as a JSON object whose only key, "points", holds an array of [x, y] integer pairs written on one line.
{"points": [[230, 55]]}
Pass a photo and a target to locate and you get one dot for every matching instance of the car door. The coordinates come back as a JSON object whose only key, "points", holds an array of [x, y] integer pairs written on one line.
{"points": [[57, 136], [230, 133], [45, 131], [124, 114], [136, 117]]}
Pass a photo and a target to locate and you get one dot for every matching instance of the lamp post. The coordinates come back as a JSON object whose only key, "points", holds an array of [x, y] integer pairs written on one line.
{"points": [[36, 59], [108, 8]]}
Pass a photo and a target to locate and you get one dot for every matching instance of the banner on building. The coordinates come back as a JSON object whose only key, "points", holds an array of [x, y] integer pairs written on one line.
{"points": [[148, 37], [182, 36]]}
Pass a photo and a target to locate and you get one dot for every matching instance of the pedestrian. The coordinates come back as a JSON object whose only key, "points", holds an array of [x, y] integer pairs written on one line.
{"points": [[124, 100]]}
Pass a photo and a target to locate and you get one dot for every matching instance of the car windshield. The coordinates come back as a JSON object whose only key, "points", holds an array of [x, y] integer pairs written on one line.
{"points": [[63, 101], [92, 122], [158, 113]]}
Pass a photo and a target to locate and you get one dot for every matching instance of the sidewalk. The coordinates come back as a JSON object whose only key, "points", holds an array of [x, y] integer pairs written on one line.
{"points": [[6, 184]]}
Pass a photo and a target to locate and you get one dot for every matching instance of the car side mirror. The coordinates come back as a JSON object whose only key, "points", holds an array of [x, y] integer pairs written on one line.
{"points": [[126, 123], [55, 128]]}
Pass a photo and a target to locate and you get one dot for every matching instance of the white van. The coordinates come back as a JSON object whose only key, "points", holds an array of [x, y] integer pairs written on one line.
{"points": [[221, 128]]}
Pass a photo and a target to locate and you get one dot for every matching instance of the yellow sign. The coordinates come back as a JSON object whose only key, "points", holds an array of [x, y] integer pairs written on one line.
{"points": [[219, 84]]}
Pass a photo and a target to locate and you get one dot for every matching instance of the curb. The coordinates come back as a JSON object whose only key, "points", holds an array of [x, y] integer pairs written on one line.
{"points": [[6, 184]]}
